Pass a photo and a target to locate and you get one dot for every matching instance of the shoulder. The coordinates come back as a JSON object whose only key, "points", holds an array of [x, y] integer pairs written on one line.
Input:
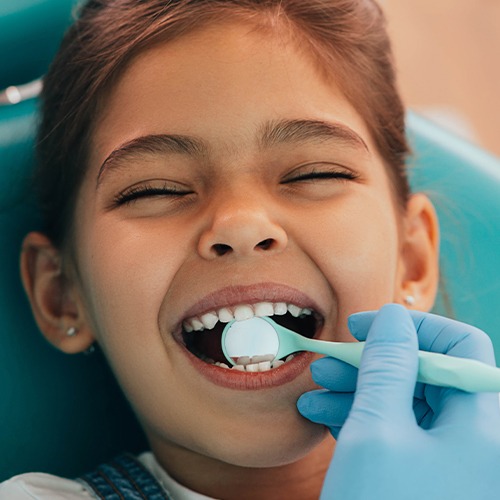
{"points": [[40, 486]]}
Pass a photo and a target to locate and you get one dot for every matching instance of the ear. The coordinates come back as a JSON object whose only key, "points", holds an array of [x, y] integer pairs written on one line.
{"points": [[418, 274], [53, 296]]}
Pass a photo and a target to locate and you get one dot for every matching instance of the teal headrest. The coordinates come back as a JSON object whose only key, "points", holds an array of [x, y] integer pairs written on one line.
{"points": [[30, 32]]}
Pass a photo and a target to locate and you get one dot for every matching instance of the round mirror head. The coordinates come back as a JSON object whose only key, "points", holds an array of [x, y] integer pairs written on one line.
{"points": [[251, 337]]}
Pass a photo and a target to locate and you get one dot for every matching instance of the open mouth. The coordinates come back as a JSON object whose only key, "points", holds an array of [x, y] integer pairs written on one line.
{"points": [[202, 334]]}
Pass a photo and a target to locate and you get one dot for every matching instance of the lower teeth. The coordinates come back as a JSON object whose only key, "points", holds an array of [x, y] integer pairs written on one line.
{"points": [[262, 363]]}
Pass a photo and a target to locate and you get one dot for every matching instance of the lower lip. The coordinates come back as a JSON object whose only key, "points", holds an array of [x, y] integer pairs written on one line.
{"points": [[244, 381]]}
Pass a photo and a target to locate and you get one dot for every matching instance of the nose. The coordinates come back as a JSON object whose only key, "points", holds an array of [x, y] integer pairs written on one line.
{"points": [[241, 226]]}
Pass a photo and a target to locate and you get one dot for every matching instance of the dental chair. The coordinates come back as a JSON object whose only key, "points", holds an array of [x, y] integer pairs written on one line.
{"points": [[64, 414]]}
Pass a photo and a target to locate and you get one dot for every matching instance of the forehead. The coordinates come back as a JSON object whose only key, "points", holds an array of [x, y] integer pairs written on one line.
{"points": [[220, 83]]}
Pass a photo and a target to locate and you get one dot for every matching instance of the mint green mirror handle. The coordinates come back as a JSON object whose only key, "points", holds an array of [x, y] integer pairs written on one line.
{"points": [[434, 368], [437, 369]]}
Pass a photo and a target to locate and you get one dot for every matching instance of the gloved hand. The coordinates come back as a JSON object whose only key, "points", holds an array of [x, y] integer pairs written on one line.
{"points": [[398, 440]]}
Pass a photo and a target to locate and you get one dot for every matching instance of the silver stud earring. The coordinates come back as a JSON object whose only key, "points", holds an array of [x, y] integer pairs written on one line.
{"points": [[409, 300], [71, 331]]}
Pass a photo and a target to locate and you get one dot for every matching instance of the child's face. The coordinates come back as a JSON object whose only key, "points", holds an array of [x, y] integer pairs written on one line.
{"points": [[247, 226]]}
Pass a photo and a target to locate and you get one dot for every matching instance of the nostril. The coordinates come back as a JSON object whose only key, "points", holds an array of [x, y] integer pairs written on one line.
{"points": [[221, 249], [265, 244]]}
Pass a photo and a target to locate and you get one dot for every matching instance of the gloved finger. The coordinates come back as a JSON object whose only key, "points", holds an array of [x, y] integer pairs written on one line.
{"points": [[388, 371], [460, 412], [360, 323], [436, 334], [325, 407], [420, 391], [447, 336], [423, 413], [443, 335], [334, 375], [452, 408], [455, 409]]}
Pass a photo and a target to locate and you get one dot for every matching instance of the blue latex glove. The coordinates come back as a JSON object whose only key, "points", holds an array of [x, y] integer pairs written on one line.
{"points": [[398, 440]]}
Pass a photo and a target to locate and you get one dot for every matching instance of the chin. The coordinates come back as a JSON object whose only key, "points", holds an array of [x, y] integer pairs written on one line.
{"points": [[272, 447]]}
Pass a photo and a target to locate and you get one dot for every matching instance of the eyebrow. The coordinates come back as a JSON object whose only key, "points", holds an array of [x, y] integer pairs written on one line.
{"points": [[287, 131], [270, 134], [153, 144]]}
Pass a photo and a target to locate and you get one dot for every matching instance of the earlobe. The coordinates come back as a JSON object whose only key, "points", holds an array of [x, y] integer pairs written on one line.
{"points": [[53, 296], [419, 263]]}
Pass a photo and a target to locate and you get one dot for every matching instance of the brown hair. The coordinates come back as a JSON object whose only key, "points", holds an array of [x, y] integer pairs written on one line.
{"points": [[346, 37]]}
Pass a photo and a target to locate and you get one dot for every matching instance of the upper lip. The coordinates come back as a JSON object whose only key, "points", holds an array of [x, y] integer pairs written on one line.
{"points": [[231, 296]]}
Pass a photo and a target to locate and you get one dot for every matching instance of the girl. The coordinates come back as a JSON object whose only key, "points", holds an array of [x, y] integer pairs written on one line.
{"points": [[204, 160]]}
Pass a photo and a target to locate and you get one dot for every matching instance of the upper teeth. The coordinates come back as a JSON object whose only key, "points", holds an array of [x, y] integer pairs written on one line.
{"points": [[241, 312]]}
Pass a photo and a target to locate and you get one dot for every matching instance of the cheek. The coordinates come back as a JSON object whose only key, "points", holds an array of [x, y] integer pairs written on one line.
{"points": [[356, 247], [126, 268]]}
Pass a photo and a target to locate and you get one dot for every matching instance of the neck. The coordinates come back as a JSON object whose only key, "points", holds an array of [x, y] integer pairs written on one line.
{"points": [[299, 480]]}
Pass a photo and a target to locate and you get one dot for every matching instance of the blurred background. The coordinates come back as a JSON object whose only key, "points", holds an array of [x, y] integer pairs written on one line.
{"points": [[448, 58]]}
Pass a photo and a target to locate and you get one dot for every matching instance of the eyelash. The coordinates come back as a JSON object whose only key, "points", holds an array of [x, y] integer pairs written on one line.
{"points": [[312, 176], [145, 191]]}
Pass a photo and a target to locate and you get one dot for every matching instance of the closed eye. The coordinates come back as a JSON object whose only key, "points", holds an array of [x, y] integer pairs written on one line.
{"points": [[312, 176], [135, 193]]}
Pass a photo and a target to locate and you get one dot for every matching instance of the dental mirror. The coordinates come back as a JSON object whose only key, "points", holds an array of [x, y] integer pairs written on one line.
{"points": [[252, 337]]}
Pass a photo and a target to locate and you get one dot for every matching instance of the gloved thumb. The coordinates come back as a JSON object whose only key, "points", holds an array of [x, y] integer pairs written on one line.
{"points": [[388, 370]]}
